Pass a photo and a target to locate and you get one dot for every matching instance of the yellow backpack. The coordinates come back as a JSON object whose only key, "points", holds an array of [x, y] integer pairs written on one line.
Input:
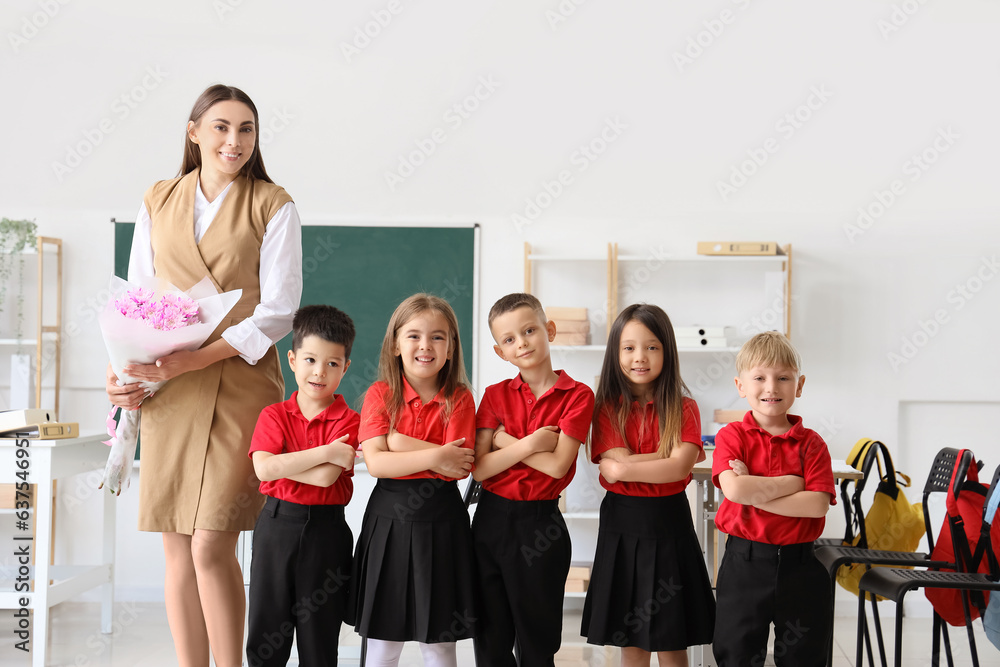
{"points": [[892, 523]]}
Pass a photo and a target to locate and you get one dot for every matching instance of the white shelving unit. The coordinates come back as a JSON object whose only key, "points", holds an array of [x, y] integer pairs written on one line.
{"points": [[45, 334], [711, 302]]}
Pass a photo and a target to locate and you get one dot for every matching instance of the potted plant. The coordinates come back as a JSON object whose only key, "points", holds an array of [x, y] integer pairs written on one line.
{"points": [[15, 237]]}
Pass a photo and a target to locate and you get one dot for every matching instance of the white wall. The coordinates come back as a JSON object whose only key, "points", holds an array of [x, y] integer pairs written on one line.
{"points": [[103, 89]]}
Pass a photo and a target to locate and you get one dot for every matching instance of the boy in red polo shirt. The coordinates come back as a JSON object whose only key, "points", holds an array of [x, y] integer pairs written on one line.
{"points": [[778, 485], [528, 432], [303, 452]]}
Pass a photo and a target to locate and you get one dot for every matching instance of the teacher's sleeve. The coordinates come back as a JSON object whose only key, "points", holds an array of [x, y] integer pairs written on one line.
{"points": [[140, 259], [280, 288]]}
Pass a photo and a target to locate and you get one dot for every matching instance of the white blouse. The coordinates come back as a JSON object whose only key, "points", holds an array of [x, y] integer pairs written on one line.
{"points": [[280, 272]]}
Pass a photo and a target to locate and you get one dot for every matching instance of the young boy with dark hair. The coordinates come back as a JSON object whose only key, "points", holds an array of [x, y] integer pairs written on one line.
{"points": [[778, 485], [528, 432], [303, 452]]}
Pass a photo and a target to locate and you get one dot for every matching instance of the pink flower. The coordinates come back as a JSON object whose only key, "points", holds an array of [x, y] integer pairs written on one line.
{"points": [[169, 312]]}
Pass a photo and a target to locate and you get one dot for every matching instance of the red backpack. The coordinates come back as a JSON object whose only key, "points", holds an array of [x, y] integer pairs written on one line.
{"points": [[961, 533]]}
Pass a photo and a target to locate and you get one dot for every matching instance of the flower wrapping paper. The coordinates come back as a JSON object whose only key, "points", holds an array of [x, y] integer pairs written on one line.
{"points": [[134, 341]]}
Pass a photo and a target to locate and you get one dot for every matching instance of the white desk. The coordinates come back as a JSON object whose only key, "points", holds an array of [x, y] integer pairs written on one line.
{"points": [[50, 460]]}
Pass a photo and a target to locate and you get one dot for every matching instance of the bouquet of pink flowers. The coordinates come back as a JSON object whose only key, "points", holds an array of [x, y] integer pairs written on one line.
{"points": [[141, 324]]}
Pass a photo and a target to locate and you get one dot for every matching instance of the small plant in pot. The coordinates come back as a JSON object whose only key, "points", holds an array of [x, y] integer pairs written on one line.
{"points": [[15, 237]]}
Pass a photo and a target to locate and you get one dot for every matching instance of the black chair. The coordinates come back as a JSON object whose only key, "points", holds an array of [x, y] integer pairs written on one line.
{"points": [[938, 480], [894, 583], [854, 522]]}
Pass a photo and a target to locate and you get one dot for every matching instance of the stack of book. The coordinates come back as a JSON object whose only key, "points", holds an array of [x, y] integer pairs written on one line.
{"points": [[708, 337], [578, 579], [572, 325]]}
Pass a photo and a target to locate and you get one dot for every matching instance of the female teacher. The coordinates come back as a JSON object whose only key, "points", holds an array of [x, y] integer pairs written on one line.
{"points": [[224, 218]]}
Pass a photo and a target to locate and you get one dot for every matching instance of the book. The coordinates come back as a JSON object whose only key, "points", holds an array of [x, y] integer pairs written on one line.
{"points": [[739, 248], [43, 431], [566, 313], [10, 419]]}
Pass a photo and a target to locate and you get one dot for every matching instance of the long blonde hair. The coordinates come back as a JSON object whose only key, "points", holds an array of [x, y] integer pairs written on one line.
{"points": [[614, 392], [452, 375]]}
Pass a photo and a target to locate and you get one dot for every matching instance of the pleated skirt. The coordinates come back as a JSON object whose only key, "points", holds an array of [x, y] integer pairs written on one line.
{"points": [[649, 587], [414, 570]]}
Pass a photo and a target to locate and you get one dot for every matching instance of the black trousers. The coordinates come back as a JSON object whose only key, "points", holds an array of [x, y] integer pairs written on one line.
{"points": [[299, 583], [523, 553], [760, 584]]}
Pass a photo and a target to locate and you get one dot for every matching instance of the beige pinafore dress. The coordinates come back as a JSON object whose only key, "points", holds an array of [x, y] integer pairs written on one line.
{"points": [[195, 472]]}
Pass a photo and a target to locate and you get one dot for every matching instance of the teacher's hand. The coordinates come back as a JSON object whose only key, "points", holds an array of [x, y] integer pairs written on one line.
{"points": [[165, 368], [127, 396]]}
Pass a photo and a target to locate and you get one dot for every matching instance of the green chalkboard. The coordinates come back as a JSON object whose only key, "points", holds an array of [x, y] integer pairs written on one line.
{"points": [[367, 272]]}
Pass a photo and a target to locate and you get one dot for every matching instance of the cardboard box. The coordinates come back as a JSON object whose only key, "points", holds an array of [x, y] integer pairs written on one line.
{"points": [[565, 313], [728, 416], [571, 326], [577, 585], [571, 339], [739, 248], [579, 572]]}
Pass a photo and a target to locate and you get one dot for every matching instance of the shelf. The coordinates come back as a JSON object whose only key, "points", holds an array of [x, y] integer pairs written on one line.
{"points": [[704, 258], [582, 515], [575, 595], [48, 335], [567, 258], [731, 348]]}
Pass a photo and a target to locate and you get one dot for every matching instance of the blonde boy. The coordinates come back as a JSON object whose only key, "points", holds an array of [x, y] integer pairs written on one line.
{"points": [[778, 485]]}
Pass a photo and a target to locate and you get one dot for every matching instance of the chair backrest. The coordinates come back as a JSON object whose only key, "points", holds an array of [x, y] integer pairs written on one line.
{"points": [[854, 514], [938, 481]]}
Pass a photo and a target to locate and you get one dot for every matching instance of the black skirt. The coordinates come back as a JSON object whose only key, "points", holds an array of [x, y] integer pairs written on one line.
{"points": [[649, 588], [414, 569]]}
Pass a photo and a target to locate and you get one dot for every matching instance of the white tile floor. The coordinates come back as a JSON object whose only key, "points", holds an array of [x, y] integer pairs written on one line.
{"points": [[141, 639]]}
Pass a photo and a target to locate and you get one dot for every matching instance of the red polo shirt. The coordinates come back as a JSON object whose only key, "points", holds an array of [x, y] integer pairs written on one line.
{"points": [[643, 429], [424, 421], [800, 451], [281, 428], [568, 404]]}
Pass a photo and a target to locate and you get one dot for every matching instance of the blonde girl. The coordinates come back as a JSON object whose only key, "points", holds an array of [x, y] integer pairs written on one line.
{"points": [[649, 591], [413, 568]]}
